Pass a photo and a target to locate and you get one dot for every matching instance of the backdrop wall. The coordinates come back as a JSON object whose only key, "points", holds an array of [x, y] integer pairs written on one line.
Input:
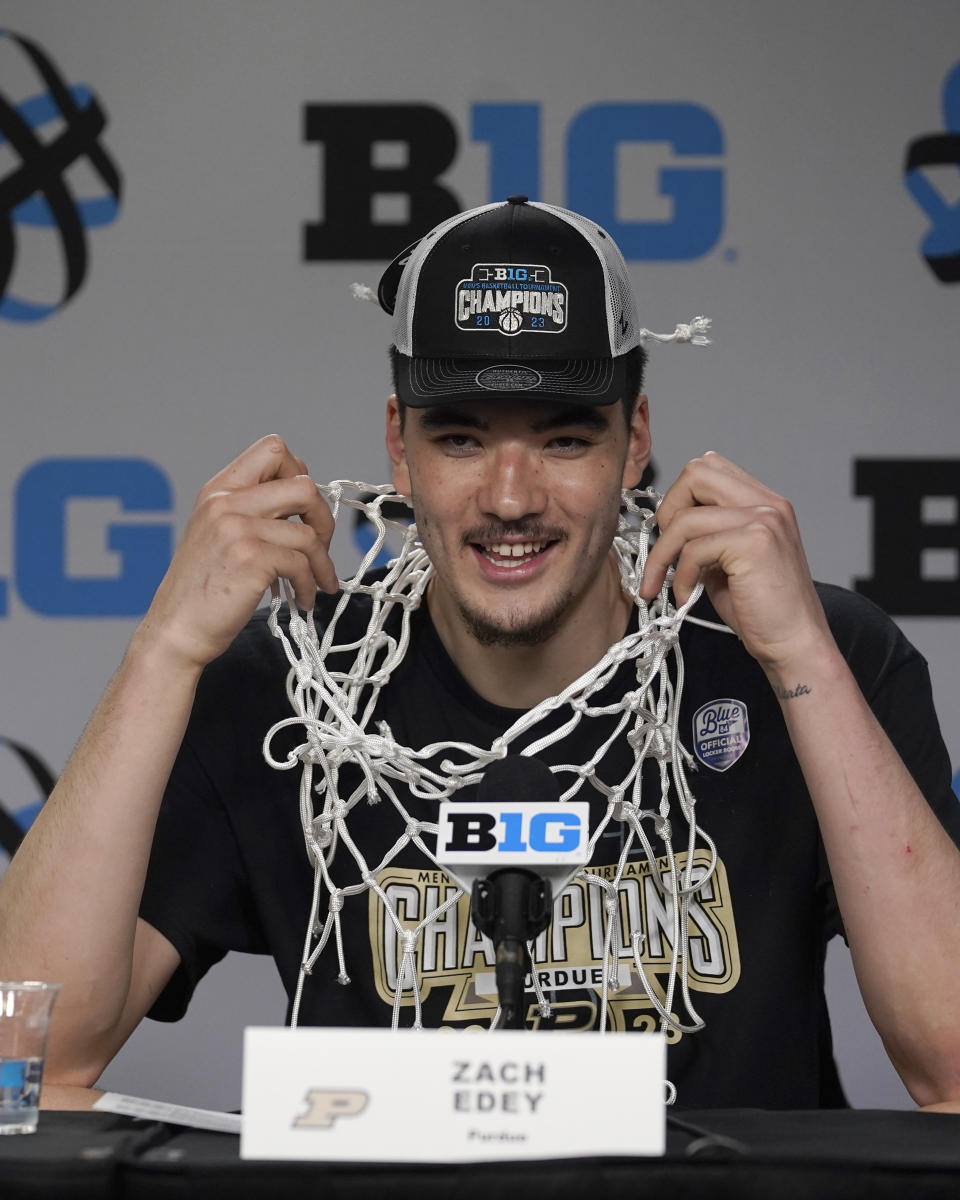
{"points": [[187, 192]]}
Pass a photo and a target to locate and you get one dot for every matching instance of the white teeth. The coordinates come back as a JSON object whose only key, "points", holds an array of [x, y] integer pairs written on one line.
{"points": [[514, 550]]}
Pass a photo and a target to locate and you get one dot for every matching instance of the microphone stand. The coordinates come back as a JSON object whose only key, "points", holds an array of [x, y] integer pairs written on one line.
{"points": [[511, 906]]}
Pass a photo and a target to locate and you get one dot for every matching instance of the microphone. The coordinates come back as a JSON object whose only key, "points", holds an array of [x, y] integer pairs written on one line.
{"points": [[504, 849], [512, 904]]}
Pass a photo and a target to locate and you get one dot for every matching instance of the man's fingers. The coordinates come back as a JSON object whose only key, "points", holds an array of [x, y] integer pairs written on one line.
{"points": [[296, 567], [279, 489], [278, 499], [731, 549], [275, 498], [295, 535], [690, 525], [268, 458], [713, 480]]}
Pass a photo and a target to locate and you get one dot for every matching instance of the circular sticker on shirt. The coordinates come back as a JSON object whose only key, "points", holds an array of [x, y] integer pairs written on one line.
{"points": [[721, 733]]}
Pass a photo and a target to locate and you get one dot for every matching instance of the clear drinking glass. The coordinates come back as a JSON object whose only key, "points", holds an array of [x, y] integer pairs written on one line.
{"points": [[24, 1019]]}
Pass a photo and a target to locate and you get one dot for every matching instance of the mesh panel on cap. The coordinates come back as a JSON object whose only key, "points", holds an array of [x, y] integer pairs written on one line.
{"points": [[407, 292], [625, 333]]}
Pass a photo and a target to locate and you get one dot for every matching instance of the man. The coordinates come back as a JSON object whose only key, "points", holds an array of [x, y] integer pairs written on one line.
{"points": [[515, 426]]}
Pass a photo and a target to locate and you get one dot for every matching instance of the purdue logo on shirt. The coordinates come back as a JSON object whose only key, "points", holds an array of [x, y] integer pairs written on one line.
{"points": [[721, 733], [511, 298]]}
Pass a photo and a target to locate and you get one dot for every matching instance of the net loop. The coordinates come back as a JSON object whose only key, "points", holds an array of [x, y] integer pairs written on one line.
{"points": [[333, 687]]}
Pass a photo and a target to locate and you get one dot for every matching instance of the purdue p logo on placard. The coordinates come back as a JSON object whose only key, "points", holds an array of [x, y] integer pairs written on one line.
{"points": [[326, 1105]]}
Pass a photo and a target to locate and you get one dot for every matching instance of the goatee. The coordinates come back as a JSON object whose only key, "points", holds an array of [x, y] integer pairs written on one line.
{"points": [[518, 628]]}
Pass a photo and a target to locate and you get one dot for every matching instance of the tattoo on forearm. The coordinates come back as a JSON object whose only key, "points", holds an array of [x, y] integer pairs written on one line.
{"points": [[792, 693]]}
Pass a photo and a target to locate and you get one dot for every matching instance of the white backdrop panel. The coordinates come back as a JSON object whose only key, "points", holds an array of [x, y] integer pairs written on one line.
{"points": [[199, 326]]}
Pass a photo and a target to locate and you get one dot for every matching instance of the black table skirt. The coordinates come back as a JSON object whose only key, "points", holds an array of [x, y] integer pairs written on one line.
{"points": [[739, 1154]]}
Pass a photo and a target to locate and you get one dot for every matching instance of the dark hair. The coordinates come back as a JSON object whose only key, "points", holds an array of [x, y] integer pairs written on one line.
{"points": [[635, 360]]}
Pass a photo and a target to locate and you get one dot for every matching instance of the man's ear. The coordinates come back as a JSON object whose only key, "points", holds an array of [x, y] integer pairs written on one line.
{"points": [[396, 448], [638, 450]]}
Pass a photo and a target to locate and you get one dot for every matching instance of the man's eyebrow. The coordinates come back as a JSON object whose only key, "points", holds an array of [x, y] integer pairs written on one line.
{"points": [[580, 415], [443, 418]]}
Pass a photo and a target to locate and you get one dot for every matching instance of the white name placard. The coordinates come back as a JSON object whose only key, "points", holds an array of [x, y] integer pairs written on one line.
{"points": [[374, 1095]]}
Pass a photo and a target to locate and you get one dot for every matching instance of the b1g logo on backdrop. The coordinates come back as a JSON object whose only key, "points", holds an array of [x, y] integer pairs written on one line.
{"points": [[92, 537], [57, 188], [916, 534], [916, 537], [380, 185], [926, 157]]}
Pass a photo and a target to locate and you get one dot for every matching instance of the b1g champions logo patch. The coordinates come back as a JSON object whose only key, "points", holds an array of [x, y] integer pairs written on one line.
{"points": [[511, 299], [721, 733]]}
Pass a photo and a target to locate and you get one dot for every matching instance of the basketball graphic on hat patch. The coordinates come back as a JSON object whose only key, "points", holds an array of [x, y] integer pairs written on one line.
{"points": [[511, 321]]}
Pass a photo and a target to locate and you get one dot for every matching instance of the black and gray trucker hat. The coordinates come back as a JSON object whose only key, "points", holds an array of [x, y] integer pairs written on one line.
{"points": [[516, 297]]}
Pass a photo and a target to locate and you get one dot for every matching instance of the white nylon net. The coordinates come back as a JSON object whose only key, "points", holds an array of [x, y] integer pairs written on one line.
{"points": [[334, 708]]}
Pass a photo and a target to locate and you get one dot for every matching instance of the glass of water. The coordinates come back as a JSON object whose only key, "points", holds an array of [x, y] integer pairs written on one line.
{"points": [[24, 1018]]}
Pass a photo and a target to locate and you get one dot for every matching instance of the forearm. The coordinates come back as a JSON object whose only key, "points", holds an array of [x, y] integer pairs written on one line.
{"points": [[895, 870], [63, 1097], [71, 894]]}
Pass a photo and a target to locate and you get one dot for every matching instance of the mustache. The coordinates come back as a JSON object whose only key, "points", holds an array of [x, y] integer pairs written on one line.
{"points": [[501, 531]]}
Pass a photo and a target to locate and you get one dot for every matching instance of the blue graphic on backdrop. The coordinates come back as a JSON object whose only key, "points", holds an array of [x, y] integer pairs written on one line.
{"points": [[144, 548], [695, 193], [941, 246], [20, 803], [35, 194], [46, 580]]}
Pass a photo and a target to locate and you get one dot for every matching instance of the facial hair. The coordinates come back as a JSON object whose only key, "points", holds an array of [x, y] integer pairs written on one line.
{"points": [[518, 629]]}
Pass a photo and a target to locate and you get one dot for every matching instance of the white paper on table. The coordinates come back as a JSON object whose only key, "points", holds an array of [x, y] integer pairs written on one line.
{"points": [[173, 1114]]}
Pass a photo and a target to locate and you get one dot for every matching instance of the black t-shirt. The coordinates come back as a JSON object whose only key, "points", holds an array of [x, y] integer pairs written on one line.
{"points": [[229, 870]]}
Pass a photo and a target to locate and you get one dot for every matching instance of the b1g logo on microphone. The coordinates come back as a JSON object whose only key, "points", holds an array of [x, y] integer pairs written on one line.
{"points": [[511, 299], [505, 834], [721, 733]]}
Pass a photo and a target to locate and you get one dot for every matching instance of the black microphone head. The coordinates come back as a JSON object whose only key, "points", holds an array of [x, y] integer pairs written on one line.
{"points": [[519, 777]]}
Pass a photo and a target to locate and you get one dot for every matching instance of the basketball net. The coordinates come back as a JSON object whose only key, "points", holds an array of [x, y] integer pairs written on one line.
{"points": [[334, 709]]}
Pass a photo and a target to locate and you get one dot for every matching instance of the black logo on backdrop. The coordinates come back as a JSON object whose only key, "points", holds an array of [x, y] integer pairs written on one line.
{"points": [[36, 192], [12, 829], [916, 534], [941, 246], [352, 180]]}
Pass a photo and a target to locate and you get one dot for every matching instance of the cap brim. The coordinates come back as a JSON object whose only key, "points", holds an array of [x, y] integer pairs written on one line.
{"points": [[426, 382]]}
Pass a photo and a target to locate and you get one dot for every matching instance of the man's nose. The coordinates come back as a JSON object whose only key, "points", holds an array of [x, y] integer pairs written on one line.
{"points": [[513, 486]]}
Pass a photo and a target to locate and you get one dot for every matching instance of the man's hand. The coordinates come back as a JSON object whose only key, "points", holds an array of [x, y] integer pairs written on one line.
{"points": [[719, 524], [238, 541]]}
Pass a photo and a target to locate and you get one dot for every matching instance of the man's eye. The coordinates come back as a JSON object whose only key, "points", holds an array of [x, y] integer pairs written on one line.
{"points": [[458, 442], [568, 445]]}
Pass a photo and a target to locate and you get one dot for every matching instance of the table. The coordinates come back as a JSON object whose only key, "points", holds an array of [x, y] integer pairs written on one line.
{"points": [[752, 1153]]}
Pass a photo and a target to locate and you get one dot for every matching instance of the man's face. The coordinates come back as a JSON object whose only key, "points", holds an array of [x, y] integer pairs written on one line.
{"points": [[516, 503]]}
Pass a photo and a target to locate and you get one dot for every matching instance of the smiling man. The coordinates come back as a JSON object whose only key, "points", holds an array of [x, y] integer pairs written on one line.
{"points": [[518, 418], [517, 506]]}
